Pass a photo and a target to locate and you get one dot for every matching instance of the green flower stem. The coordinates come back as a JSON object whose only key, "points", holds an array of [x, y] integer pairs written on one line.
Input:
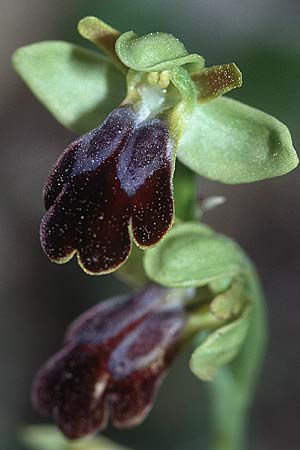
{"points": [[201, 320], [233, 388]]}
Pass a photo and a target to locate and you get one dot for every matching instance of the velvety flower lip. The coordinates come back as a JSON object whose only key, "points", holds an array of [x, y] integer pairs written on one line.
{"points": [[114, 360], [116, 176]]}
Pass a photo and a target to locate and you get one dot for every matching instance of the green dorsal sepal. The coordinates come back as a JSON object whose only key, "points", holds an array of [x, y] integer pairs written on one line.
{"points": [[154, 52]]}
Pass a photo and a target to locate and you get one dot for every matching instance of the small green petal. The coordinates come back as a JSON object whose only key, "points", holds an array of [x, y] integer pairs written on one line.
{"points": [[220, 347], [228, 141], [217, 80], [154, 52], [78, 86], [228, 304], [178, 117], [102, 35]]}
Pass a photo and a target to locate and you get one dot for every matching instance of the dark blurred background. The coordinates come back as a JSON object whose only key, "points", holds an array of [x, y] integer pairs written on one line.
{"points": [[39, 299]]}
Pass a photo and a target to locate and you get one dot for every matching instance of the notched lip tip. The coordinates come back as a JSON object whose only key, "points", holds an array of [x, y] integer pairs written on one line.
{"points": [[63, 260], [102, 272]]}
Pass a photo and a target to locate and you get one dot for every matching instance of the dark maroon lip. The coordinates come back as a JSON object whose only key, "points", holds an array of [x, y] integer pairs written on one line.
{"points": [[115, 358], [115, 177]]}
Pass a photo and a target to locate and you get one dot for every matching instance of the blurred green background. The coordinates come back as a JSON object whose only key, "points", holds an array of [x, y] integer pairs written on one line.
{"points": [[39, 299]]}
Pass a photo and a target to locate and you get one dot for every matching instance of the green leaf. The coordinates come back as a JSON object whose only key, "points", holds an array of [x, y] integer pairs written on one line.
{"points": [[154, 52], [228, 141], [220, 348], [79, 87], [47, 437], [192, 255]]}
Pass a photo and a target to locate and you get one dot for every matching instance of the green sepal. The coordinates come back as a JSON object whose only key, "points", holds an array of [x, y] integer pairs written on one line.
{"points": [[192, 255], [220, 347], [155, 52], [217, 80], [102, 35], [47, 437], [78, 86], [228, 141]]}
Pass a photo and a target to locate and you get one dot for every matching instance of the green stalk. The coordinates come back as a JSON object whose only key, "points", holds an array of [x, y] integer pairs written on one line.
{"points": [[233, 388]]}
